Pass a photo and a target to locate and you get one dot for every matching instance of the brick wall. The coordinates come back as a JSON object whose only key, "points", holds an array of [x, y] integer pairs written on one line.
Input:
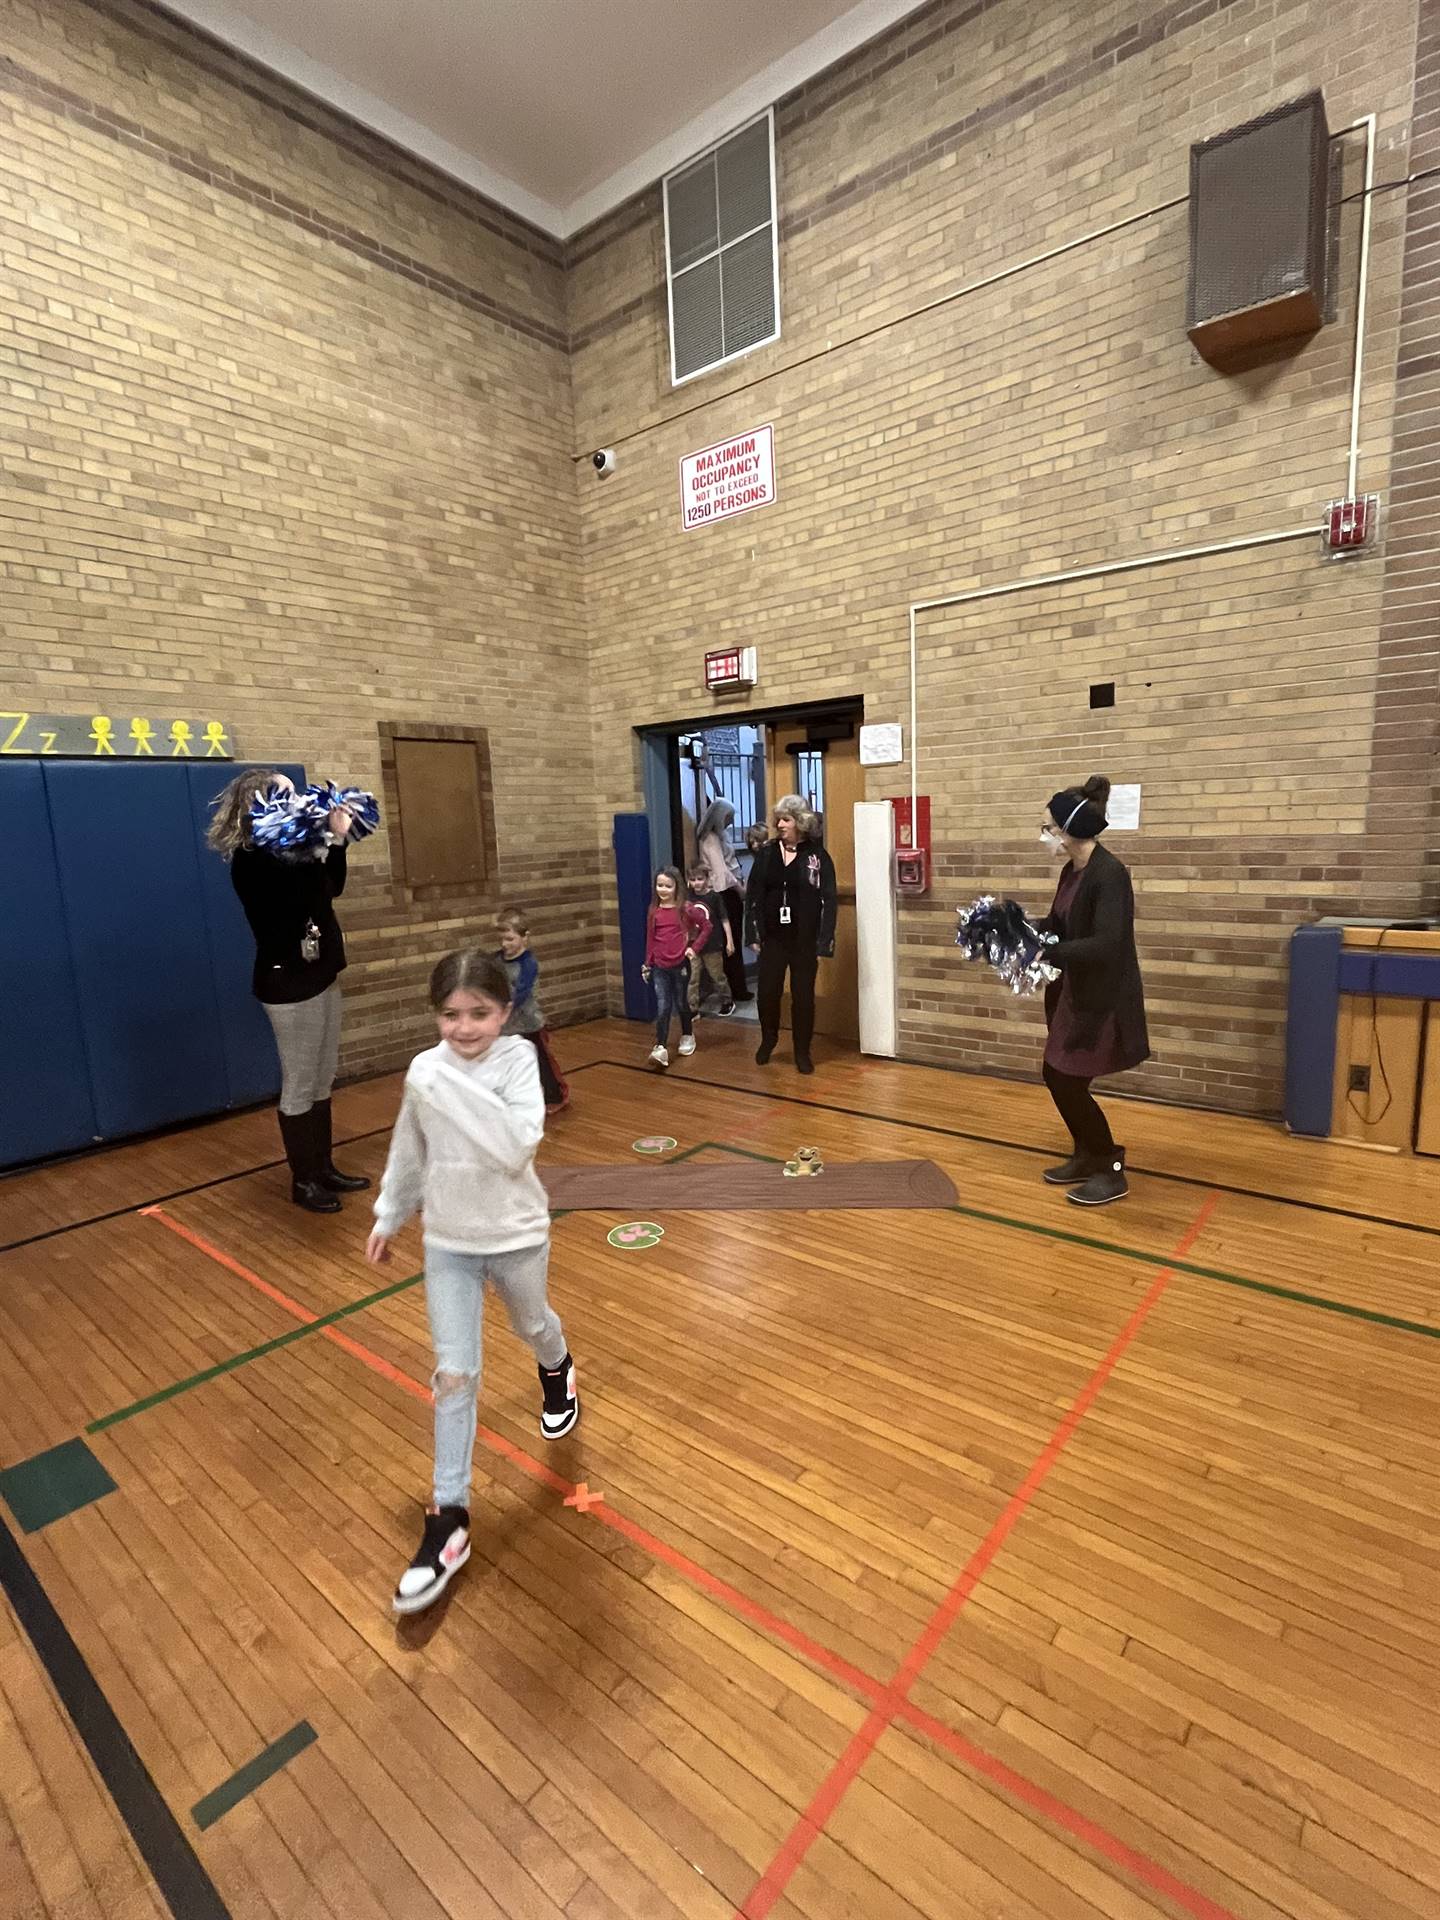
{"points": [[286, 425], [289, 425], [1050, 419]]}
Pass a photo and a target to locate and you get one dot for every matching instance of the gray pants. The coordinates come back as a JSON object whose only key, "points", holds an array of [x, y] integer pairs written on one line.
{"points": [[307, 1034], [455, 1301]]}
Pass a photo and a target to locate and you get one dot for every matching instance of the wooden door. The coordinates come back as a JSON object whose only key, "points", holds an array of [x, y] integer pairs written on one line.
{"points": [[842, 783]]}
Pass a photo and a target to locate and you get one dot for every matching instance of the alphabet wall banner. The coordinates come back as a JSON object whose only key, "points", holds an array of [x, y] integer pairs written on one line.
{"points": [[734, 476], [114, 736]]}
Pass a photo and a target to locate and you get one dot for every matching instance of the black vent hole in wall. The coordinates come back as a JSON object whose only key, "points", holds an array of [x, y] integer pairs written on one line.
{"points": [[1102, 693]]}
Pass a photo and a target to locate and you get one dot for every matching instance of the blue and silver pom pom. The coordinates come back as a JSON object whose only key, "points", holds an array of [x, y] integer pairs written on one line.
{"points": [[296, 826], [997, 931]]}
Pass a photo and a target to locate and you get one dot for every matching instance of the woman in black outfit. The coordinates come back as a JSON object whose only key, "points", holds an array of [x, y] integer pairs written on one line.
{"points": [[1095, 1011], [299, 956], [790, 920]]}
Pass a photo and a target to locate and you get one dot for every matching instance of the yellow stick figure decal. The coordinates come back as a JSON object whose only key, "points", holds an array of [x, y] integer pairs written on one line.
{"points": [[140, 733], [216, 736], [180, 734], [100, 730]]}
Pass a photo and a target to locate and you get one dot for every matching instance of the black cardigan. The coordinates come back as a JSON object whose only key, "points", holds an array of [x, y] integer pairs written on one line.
{"points": [[809, 890], [281, 898], [1097, 955]]}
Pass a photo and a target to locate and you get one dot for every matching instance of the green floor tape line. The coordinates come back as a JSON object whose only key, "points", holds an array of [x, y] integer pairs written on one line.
{"points": [[163, 1394], [252, 1775], [1218, 1274], [691, 1082], [49, 1485]]}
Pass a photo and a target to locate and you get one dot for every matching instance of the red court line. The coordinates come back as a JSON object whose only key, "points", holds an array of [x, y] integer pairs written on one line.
{"points": [[1139, 1865], [808, 1828], [353, 1347], [819, 1656], [888, 1701]]}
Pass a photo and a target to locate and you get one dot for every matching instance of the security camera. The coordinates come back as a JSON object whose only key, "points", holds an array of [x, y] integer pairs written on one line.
{"points": [[603, 461]]}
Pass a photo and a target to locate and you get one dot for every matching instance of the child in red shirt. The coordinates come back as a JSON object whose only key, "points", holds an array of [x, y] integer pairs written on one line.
{"points": [[675, 930]]}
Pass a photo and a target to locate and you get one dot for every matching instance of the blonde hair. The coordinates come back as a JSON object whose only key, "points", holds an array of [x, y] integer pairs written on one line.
{"points": [[512, 920], [795, 807], [229, 828]]}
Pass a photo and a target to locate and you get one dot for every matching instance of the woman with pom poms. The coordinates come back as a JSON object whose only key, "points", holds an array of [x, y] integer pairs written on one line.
{"points": [[1095, 1011], [289, 899]]}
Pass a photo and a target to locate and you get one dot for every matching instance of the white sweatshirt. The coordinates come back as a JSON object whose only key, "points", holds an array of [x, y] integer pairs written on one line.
{"points": [[463, 1150]]}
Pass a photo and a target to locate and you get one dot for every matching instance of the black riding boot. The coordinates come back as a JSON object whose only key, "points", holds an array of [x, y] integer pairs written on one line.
{"points": [[330, 1175], [301, 1134]]}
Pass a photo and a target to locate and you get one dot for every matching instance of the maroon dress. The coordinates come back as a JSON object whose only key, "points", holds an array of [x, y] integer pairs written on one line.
{"points": [[1103, 1050]]}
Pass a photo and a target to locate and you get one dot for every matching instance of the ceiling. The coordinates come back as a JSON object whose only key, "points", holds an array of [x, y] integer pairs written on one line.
{"points": [[559, 109]]}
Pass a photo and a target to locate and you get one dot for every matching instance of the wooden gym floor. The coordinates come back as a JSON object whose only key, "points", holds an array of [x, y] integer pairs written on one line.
{"points": [[1003, 1561]]}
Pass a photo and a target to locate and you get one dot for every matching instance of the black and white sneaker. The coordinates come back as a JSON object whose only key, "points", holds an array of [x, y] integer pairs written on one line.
{"points": [[442, 1552], [562, 1403]]}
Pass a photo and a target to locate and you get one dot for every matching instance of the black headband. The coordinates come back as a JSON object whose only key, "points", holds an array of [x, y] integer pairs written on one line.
{"points": [[1077, 814]]}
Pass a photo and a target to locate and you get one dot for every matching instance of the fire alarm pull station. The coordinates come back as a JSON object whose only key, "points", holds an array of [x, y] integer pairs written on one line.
{"points": [[912, 845]]}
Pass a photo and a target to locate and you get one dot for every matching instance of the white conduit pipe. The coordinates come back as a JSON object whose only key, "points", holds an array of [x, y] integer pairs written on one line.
{"points": [[1075, 573], [1367, 123]]}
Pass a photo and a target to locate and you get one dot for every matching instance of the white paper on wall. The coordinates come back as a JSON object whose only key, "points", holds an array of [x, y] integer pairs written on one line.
{"points": [[1122, 810]]}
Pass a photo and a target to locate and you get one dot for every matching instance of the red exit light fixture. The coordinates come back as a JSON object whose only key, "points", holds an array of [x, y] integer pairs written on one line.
{"points": [[730, 667], [1349, 525]]}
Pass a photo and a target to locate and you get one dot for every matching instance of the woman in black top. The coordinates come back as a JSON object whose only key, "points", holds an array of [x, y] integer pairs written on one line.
{"points": [[790, 920], [1095, 1011], [299, 956]]}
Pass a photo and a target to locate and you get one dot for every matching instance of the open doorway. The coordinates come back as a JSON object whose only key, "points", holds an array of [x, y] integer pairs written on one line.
{"points": [[721, 787], [741, 765], [820, 760]]}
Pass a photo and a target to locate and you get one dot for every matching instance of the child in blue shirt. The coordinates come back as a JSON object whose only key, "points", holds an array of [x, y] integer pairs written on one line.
{"points": [[525, 1017]]}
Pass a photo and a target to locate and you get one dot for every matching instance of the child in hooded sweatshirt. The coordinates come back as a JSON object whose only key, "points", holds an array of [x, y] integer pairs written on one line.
{"points": [[463, 1153]]}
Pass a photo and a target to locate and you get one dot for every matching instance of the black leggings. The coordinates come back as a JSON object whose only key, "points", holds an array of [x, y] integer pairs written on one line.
{"points": [[1080, 1111]]}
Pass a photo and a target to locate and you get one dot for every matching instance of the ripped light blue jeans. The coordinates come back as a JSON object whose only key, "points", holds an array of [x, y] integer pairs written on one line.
{"points": [[455, 1301]]}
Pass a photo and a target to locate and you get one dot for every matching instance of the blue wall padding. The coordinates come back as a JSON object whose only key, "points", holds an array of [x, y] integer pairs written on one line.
{"points": [[252, 1066], [1404, 976], [45, 1104], [633, 878], [130, 879], [1310, 1029]]}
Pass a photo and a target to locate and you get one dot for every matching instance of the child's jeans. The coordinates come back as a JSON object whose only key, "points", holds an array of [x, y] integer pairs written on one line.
{"points": [[672, 1000], [709, 964], [455, 1301]]}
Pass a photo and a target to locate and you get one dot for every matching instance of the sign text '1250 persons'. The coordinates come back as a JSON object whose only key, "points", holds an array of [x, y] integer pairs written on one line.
{"points": [[729, 478]]}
